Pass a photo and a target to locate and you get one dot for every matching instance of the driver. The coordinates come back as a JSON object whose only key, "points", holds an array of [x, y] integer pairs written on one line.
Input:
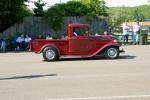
{"points": [[76, 32]]}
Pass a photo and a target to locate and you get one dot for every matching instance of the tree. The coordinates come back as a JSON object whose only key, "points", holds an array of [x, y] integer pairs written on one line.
{"points": [[98, 8], [75, 8], [56, 13], [118, 15], [55, 17], [117, 18], [85, 2], [12, 11], [137, 16], [38, 11]]}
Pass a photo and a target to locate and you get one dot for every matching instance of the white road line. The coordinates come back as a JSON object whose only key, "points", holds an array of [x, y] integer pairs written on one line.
{"points": [[133, 97]]}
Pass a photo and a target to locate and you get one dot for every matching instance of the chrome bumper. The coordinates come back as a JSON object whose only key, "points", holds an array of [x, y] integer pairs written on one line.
{"points": [[122, 50]]}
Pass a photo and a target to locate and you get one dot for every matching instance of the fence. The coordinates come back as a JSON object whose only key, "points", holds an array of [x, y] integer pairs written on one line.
{"points": [[130, 40], [39, 25]]}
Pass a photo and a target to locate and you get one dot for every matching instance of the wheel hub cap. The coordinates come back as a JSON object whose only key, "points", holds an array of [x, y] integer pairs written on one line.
{"points": [[50, 54], [112, 52]]}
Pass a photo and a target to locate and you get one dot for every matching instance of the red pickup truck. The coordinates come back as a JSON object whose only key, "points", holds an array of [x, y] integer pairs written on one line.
{"points": [[78, 44]]}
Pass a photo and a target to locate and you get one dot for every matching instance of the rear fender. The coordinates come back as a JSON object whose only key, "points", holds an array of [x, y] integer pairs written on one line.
{"points": [[49, 45]]}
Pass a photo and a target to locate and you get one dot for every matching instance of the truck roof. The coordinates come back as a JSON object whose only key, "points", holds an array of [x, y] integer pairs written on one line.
{"points": [[79, 25]]}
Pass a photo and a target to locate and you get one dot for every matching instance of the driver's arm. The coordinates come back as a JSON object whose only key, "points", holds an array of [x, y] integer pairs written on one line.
{"points": [[75, 34]]}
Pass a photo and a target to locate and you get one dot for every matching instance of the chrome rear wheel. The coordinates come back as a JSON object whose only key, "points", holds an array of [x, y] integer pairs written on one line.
{"points": [[50, 54]]}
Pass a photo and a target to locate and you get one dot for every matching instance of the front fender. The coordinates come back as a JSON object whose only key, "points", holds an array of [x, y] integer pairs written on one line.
{"points": [[105, 46]]}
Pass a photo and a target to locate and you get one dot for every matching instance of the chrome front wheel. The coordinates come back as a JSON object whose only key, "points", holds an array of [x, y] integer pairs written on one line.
{"points": [[112, 53]]}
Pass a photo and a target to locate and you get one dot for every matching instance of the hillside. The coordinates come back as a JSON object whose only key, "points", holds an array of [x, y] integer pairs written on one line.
{"points": [[143, 10], [118, 15]]}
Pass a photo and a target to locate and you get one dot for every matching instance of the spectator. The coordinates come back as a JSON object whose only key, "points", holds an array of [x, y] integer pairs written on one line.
{"points": [[125, 29], [3, 45], [14, 42], [49, 37], [136, 32], [64, 36], [86, 33], [40, 37], [96, 34], [27, 41], [105, 33], [20, 43]]}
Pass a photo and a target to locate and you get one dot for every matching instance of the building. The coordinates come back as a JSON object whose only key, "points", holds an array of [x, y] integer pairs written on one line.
{"points": [[145, 25]]}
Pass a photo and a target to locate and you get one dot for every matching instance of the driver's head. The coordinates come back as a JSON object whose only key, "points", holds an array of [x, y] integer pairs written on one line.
{"points": [[76, 29]]}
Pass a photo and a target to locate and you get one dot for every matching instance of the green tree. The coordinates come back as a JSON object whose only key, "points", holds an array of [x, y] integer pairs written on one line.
{"points": [[137, 16], [85, 2], [12, 11], [56, 13], [75, 8], [55, 17], [38, 11], [117, 18], [118, 15], [98, 8], [95, 7]]}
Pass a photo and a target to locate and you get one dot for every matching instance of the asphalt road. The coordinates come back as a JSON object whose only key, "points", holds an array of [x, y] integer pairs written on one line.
{"points": [[25, 76]]}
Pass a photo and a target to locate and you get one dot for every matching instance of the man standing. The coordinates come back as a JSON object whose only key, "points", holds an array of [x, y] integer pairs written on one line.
{"points": [[125, 29], [136, 32]]}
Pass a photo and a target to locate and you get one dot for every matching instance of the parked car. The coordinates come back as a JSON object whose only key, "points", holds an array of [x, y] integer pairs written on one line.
{"points": [[81, 45]]}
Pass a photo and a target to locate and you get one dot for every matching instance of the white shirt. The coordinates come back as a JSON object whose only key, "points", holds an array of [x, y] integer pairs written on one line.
{"points": [[75, 33], [28, 39], [3, 44], [49, 38], [20, 39], [136, 28], [96, 34], [125, 29]]}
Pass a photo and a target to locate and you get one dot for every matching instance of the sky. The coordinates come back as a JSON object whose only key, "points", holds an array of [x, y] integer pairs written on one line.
{"points": [[109, 3], [125, 2]]}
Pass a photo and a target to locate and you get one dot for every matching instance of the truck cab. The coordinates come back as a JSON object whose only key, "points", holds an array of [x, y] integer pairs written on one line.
{"points": [[79, 43]]}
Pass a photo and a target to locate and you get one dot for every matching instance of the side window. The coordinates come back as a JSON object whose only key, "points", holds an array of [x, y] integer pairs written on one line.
{"points": [[83, 31], [80, 31]]}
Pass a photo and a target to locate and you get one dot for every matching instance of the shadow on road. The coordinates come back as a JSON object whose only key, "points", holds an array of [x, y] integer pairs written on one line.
{"points": [[27, 77], [127, 57], [95, 58]]}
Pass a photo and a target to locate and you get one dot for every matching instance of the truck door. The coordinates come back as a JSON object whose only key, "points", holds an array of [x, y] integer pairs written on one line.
{"points": [[79, 45]]}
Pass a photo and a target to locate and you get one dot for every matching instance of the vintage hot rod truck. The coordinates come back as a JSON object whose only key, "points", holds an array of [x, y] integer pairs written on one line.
{"points": [[77, 46]]}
